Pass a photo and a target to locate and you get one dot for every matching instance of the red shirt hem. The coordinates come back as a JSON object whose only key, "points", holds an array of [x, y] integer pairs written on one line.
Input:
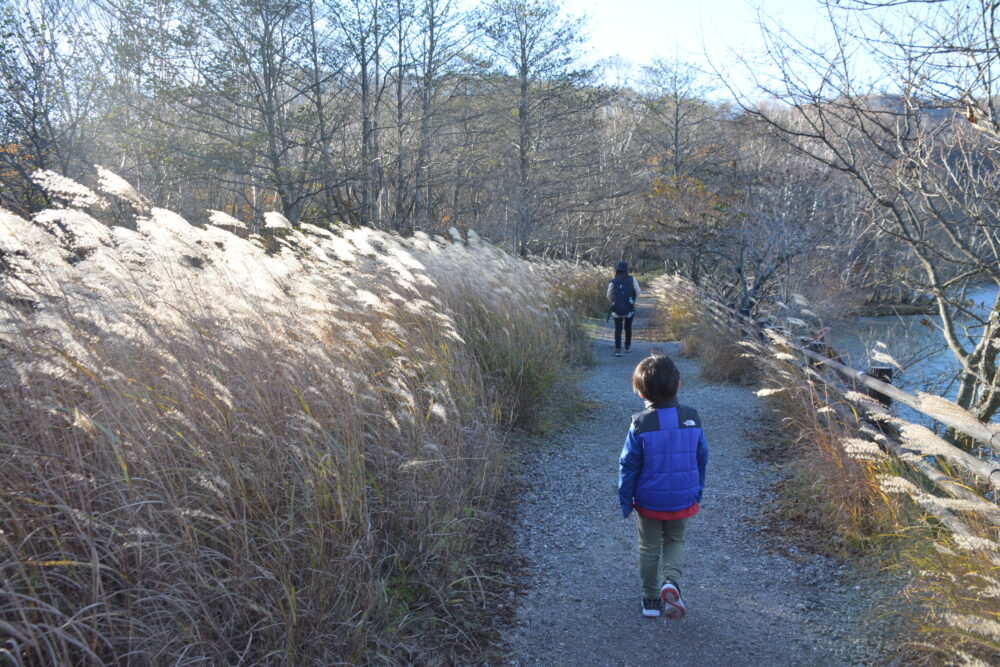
{"points": [[667, 516]]}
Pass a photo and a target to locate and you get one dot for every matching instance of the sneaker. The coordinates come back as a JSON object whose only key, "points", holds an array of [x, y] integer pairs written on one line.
{"points": [[618, 352], [672, 602], [651, 607], [627, 349]]}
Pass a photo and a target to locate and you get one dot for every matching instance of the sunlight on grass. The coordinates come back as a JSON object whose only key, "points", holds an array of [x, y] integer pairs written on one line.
{"points": [[218, 448]]}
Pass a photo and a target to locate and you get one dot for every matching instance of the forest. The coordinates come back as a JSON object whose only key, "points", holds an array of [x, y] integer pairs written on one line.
{"points": [[412, 116], [861, 180]]}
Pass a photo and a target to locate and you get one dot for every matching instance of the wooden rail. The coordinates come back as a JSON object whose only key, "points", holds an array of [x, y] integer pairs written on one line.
{"points": [[935, 407], [909, 443], [876, 414], [920, 437]]}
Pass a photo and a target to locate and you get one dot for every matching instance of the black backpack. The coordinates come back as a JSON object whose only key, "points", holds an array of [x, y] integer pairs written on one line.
{"points": [[624, 293]]}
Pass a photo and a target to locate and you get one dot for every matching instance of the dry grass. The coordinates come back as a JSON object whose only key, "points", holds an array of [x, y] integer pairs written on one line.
{"points": [[224, 450], [844, 497], [678, 312], [957, 590], [836, 500], [854, 502], [585, 296], [681, 316], [722, 360], [830, 498]]}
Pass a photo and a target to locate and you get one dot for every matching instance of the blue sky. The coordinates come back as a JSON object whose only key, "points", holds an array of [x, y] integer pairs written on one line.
{"points": [[640, 30]]}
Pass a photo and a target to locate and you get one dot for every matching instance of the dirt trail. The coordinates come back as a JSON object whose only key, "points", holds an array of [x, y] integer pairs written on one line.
{"points": [[748, 603]]}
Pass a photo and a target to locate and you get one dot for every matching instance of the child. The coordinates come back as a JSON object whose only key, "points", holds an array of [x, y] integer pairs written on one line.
{"points": [[661, 475]]}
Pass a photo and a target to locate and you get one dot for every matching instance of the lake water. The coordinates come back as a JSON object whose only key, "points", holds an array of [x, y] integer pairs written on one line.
{"points": [[915, 341]]}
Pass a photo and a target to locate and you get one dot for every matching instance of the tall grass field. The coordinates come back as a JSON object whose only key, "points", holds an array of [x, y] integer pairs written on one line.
{"points": [[277, 446]]}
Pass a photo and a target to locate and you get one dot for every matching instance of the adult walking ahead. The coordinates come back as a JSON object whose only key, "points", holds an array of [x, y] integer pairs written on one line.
{"points": [[623, 291]]}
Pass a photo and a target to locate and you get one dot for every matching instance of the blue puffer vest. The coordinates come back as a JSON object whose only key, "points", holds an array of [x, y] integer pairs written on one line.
{"points": [[663, 445]]}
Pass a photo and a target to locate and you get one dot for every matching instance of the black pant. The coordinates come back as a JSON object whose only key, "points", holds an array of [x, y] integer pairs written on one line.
{"points": [[627, 323]]}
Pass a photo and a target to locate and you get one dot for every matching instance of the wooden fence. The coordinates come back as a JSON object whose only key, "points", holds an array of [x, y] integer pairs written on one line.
{"points": [[798, 363]]}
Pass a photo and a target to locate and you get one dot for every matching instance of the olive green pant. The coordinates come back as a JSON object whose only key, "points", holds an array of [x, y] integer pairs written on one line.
{"points": [[661, 553]]}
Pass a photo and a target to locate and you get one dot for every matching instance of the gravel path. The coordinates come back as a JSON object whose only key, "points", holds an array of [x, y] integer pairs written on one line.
{"points": [[748, 603]]}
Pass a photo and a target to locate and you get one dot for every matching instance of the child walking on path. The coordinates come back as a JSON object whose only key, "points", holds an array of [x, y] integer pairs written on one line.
{"points": [[661, 475]]}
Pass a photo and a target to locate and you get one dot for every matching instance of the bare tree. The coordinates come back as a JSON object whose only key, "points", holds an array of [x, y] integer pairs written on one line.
{"points": [[534, 44], [680, 121], [925, 153], [235, 88], [326, 67], [374, 112], [49, 89], [689, 146], [400, 72], [436, 55], [363, 27]]}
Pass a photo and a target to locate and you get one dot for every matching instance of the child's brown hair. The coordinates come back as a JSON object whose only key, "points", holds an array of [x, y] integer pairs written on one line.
{"points": [[656, 378]]}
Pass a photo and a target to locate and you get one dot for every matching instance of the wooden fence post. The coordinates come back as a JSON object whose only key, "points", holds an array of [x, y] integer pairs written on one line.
{"points": [[819, 347], [883, 373]]}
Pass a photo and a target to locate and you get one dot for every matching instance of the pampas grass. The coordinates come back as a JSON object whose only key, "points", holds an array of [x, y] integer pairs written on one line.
{"points": [[844, 495], [219, 449]]}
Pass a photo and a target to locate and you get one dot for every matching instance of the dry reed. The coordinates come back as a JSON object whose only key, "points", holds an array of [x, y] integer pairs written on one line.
{"points": [[681, 316], [845, 496], [218, 449]]}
